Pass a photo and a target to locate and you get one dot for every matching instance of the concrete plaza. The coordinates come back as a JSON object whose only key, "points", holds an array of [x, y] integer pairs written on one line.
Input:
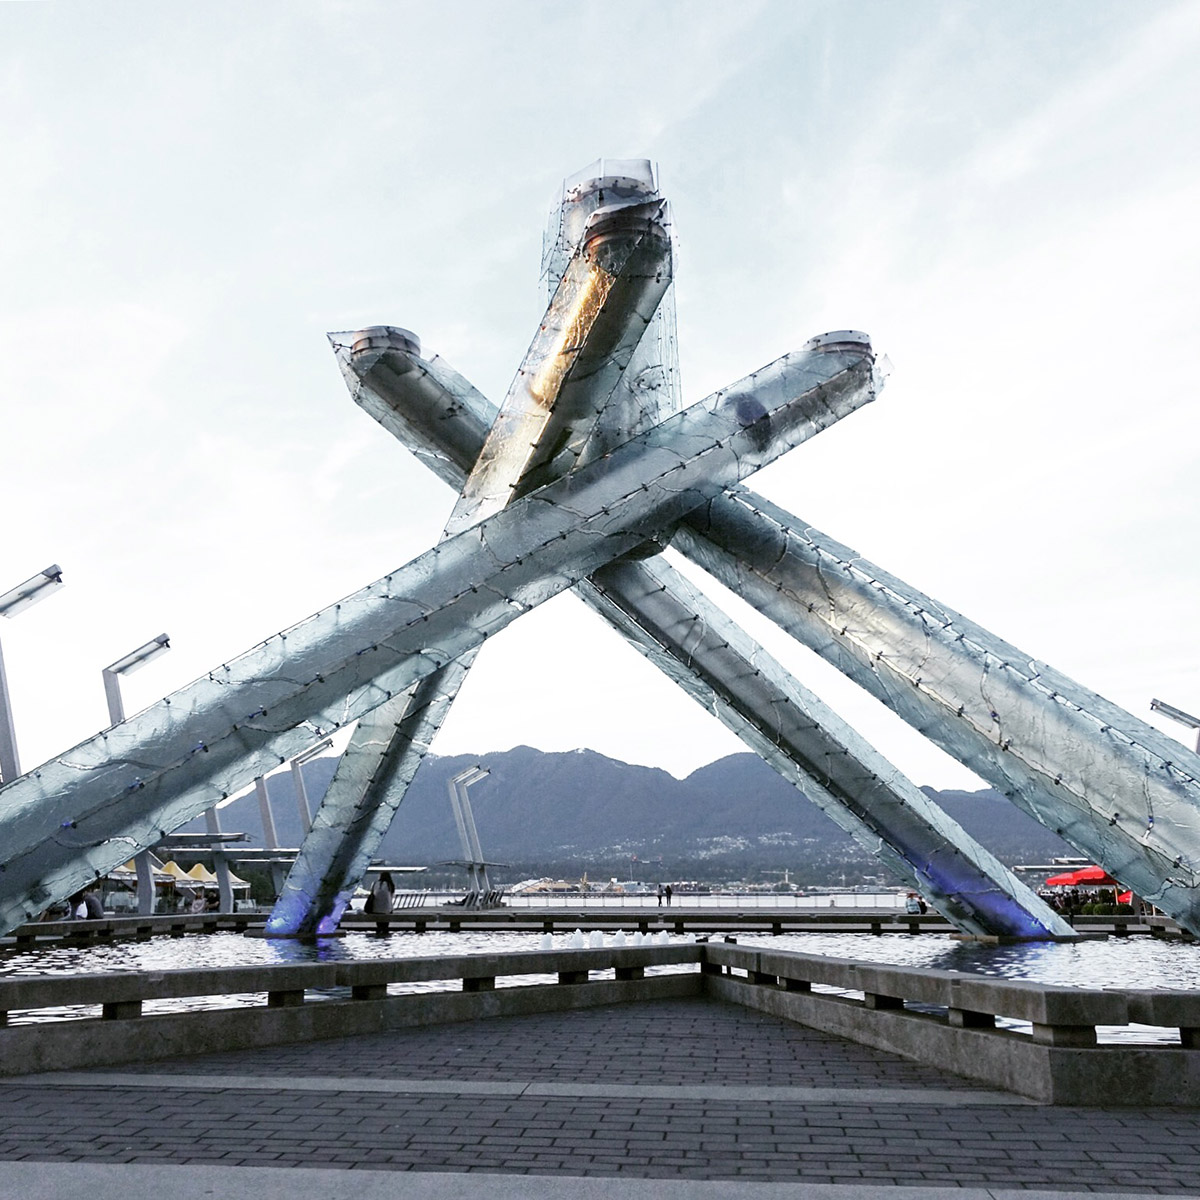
{"points": [[686, 1099]]}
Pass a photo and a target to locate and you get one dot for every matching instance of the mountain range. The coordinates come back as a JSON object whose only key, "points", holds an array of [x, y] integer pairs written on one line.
{"points": [[579, 811]]}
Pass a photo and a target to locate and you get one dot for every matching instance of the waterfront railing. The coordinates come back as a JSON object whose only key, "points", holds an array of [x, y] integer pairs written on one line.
{"points": [[689, 900], [1032, 1039], [1038, 1040]]}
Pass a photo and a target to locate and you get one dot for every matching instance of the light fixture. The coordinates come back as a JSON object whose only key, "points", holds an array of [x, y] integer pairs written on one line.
{"points": [[133, 661], [26, 595], [1177, 714]]}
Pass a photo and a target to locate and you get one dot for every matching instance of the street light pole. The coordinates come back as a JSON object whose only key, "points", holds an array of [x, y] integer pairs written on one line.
{"points": [[1177, 714], [111, 674], [298, 781], [23, 596], [465, 820]]}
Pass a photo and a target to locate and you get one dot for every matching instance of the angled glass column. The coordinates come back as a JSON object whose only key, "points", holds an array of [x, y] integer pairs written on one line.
{"points": [[599, 311], [600, 307], [373, 776], [721, 667], [90, 809], [689, 638], [1114, 787]]}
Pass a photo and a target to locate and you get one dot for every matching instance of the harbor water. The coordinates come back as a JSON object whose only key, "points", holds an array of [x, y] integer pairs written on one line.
{"points": [[1117, 962]]}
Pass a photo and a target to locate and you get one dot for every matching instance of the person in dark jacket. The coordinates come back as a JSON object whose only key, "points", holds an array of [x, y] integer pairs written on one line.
{"points": [[379, 902]]}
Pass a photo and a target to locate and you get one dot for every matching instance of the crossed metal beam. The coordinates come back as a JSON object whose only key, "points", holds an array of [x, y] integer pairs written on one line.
{"points": [[584, 472], [465, 439], [87, 811]]}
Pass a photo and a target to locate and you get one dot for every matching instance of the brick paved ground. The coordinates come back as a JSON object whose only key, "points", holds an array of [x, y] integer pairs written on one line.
{"points": [[668, 1042], [302, 1106]]}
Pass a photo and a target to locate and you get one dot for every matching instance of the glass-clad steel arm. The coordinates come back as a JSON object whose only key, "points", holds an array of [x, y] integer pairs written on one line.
{"points": [[356, 812], [720, 666], [1111, 785], [598, 312], [88, 810], [597, 315], [688, 637], [648, 389], [445, 419]]}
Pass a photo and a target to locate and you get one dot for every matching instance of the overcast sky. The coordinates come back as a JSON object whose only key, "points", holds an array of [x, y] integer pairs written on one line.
{"points": [[1006, 196]]}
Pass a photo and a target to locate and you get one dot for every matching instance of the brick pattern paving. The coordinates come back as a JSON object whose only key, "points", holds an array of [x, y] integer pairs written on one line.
{"points": [[691, 1042], [667, 1042], [1084, 1149]]}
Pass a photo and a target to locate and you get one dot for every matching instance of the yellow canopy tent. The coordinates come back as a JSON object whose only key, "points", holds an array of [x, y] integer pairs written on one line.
{"points": [[128, 873], [201, 874]]}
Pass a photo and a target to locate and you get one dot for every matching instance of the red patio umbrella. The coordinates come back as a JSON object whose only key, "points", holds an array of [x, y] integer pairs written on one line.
{"points": [[1095, 875]]}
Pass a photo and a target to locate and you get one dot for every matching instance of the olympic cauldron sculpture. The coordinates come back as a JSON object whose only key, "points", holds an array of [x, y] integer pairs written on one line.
{"points": [[588, 468]]}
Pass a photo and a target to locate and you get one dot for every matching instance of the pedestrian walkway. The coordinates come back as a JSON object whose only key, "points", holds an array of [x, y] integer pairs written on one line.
{"points": [[681, 1099]]}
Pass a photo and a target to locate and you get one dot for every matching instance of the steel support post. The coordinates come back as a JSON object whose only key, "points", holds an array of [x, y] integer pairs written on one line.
{"points": [[10, 763], [464, 818], [111, 675], [212, 823], [144, 866], [302, 806], [17, 600], [270, 837]]}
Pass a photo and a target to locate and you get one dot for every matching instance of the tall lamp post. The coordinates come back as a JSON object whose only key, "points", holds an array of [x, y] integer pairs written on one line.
{"points": [[465, 820], [134, 661], [23, 596], [1177, 714], [298, 781]]}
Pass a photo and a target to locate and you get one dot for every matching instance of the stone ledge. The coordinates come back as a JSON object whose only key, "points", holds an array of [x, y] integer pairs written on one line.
{"points": [[1146, 1076], [67, 1045], [1040, 1003]]}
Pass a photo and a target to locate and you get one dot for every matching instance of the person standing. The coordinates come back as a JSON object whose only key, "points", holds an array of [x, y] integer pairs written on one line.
{"points": [[382, 894], [668, 893]]}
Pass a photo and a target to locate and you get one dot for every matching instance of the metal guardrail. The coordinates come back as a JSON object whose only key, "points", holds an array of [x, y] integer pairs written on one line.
{"points": [[564, 918], [123, 927], [715, 901], [678, 919]]}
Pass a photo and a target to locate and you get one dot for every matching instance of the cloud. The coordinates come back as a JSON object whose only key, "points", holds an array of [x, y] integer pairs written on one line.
{"points": [[1110, 90]]}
